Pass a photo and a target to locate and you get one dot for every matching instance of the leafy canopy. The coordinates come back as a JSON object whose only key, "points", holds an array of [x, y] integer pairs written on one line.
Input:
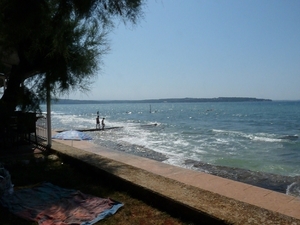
{"points": [[57, 44]]}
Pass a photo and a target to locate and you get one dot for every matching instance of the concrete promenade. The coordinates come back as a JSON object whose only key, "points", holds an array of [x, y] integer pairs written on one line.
{"points": [[228, 201]]}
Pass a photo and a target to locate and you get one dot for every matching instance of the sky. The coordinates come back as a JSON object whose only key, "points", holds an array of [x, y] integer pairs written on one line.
{"points": [[204, 49]]}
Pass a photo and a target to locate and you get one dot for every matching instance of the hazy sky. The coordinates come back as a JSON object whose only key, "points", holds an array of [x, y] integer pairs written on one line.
{"points": [[204, 49]]}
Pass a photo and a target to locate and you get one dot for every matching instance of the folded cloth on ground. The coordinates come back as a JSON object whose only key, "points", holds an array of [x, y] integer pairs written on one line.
{"points": [[49, 204]]}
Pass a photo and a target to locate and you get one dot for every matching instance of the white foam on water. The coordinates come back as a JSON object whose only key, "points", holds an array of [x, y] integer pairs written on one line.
{"points": [[229, 134], [212, 138], [134, 135], [264, 139], [222, 141], [177, 160], [219, 131], [181, 143], [56, 113], [294, 189], [72, 121]]}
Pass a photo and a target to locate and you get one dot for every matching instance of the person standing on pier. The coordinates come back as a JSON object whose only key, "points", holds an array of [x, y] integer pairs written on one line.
{"points": [[103, 124], [98, 123]]}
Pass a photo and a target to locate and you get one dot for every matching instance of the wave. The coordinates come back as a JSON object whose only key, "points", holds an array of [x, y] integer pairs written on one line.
{"points": [[56, 113], [263, 137], [294, 189], [289, 137]]}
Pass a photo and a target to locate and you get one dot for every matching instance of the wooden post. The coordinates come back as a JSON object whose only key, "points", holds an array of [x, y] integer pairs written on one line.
{"points": [[49, 129]]}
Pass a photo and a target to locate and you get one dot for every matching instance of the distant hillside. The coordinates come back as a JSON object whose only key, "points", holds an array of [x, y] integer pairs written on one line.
{"points": [[173, 100]]}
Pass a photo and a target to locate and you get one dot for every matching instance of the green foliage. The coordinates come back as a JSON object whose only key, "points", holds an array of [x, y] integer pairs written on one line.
{"points": [[56, 43]]}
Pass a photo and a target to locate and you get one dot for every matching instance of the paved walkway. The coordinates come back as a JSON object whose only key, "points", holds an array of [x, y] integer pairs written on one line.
{"points": [[222, 198]]}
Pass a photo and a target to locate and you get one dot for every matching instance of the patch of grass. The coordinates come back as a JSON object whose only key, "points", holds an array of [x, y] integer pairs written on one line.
{"points": [[28, 171]]}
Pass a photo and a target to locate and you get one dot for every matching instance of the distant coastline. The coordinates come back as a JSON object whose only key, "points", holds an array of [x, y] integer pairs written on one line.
{"points": [[165, 100]]}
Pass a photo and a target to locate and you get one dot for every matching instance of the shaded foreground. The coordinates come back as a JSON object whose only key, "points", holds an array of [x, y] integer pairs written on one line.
{"points": [[30, 169], [151, 194]]}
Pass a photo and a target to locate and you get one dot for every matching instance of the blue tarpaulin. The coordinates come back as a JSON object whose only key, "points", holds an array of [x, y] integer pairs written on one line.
{"points": [[72, 135]]}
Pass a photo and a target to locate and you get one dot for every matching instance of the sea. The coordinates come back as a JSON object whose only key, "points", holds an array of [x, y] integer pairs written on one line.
{"points": [[252, 142]]}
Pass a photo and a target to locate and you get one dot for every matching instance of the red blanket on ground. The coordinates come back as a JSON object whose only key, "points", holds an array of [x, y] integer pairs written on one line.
{"points": [[48, 204]]}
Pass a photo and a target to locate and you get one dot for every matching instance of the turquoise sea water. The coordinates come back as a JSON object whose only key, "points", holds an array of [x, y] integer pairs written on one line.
{"points": [[254, 141]]}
